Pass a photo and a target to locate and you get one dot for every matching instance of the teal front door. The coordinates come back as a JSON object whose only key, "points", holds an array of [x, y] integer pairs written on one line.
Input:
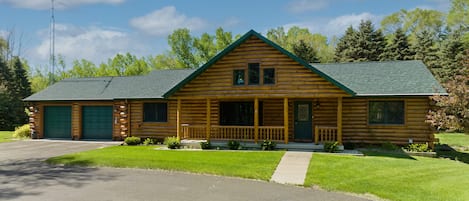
{"points": [[303, 124]]}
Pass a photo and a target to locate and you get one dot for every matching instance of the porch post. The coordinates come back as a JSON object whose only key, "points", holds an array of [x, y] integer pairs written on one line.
{"points": [[339, 120], [285, 119], [256, 119], [207, 129], [178, 119]]}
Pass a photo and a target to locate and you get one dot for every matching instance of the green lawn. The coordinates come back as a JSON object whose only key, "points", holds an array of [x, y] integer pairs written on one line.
{"points": [[246, 164], [391, 176], [6, 136], [454, 139]]}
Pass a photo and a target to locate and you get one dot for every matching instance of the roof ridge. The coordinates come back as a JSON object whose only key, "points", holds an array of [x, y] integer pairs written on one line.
{"points": [[364, 62]]}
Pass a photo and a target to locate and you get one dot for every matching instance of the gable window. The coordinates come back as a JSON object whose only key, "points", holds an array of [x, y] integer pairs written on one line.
{"points": [[269, 75], [386, 112], [253, 73], [238, 77], [155, 112]]}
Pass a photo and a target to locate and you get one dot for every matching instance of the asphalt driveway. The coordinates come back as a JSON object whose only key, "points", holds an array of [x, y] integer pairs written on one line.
{"points": [[25, 176]]}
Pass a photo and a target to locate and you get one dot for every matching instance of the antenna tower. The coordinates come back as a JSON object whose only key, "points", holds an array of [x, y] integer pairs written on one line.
{"points": [[52, 43]]}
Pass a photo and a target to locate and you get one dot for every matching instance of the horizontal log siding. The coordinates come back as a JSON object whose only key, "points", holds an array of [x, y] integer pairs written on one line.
{"points": [[138, 128], [356, 128], [326, 113], [292, 79]]}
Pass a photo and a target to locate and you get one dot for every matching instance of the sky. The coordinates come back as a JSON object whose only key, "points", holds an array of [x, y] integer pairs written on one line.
{"points": [[97, 30]]}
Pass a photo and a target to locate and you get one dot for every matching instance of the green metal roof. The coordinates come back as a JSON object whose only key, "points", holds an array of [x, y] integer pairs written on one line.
{"points": [[391, 78], [153, 85]]}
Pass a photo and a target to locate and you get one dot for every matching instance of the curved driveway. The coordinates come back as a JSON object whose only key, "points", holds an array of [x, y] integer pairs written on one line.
{"points": [[24, 176]]}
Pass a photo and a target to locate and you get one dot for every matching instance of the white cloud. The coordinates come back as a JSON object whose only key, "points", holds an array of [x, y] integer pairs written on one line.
{"points": [[299, 6], [163, 21], [59, 4], [336, 26], [96, 44]]}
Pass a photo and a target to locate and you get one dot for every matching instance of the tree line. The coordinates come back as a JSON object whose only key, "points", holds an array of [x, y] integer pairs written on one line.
{"points": [[438, 39]]}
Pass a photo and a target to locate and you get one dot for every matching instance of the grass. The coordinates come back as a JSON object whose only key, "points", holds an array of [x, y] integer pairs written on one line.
{"points": [[246, 164], [6, 136], [393, 176], [454, 139]]}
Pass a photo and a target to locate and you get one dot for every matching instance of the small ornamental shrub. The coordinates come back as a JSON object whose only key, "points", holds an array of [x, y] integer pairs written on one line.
{"points": [[268, 145], [150, 141], [233, 145], [331, 147], [172, 142], [22, 132], [417, 147], [131, 141], [206, 145], [389, 146]]}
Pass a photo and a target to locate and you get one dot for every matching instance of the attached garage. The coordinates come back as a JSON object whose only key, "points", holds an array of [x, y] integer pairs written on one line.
{"points": [[58, 122], [97, 122]]}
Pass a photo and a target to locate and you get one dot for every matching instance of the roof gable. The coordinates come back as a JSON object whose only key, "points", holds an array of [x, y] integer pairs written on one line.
{"points": [[237, 43]]}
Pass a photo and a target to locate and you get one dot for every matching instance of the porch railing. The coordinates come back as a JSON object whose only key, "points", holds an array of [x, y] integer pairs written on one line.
{"points": [[244, 133], [325, 134]]}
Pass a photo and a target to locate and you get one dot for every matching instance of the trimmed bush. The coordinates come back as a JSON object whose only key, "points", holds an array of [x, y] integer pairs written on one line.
{"points": [[417, 147], [233, 145], [131, 141], [268, 145], [172, 142], [206, 145], [22, 132], [389, 146], [150, 141], [331, 147]]}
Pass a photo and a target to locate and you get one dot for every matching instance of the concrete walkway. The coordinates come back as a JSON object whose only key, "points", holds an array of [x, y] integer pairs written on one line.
{"points": [[292, 168]]}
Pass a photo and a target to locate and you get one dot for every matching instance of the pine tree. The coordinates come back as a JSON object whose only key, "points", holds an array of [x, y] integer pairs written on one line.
{"points": [[451, 54], [305, 51], [342, 50], [426, 51], [370, 42], [399, 48]]}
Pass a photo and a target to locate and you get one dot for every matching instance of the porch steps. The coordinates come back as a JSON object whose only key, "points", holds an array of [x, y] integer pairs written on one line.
{"points": [[292, 168]]}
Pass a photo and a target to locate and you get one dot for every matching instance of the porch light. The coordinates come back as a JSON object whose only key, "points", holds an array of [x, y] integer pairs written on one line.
{"points": [[317, 105]]}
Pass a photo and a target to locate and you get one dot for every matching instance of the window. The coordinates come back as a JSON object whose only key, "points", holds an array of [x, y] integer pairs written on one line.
{"points": [[238, 77], [253, 73], [386, 112], [155, 112], [239, 113], [269, 76]]}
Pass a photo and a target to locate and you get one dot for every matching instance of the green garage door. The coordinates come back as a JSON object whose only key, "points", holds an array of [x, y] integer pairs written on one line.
{"points": [[97, 122], [58, 122]]}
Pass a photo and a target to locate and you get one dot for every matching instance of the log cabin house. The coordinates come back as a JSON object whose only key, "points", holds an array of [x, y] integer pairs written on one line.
{"points": [[251, 91]]}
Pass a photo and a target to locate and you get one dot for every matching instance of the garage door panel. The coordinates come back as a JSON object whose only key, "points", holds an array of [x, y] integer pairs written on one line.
{"points": [[58, 122], [97, 122]]}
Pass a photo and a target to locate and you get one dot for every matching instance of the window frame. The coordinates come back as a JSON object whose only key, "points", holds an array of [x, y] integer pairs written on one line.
{"points": [[385, 113], [235, 79], [155, 120], [274, 78]]}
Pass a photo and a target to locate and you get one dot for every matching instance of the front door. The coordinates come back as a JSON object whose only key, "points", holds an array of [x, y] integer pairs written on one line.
{"points": [[303, 121]]}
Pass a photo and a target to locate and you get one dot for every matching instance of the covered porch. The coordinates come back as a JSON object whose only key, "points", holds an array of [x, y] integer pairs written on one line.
{"points": [[282, 120]]}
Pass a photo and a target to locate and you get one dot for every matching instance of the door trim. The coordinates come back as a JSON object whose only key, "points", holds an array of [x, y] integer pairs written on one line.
{"points": [[309, 129]]}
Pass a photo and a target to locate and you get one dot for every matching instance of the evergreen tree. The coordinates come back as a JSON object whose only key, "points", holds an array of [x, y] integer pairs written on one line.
{"points": [[305, 51], [370, 42], [20, 80], [425, 50], [342, 50], [451, 54], [399, 48]]}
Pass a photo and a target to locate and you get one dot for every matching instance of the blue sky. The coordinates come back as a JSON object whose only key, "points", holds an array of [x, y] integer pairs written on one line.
{"points": [[98, 29]]}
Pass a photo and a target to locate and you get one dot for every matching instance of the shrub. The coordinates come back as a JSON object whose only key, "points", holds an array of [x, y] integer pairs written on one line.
{"points": [[22, 132], [331, 147], [206, 145], [132, 141], [268, 145], [172, 142], [417, 147], [233, 145], [150, 141], [389, 146]]}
